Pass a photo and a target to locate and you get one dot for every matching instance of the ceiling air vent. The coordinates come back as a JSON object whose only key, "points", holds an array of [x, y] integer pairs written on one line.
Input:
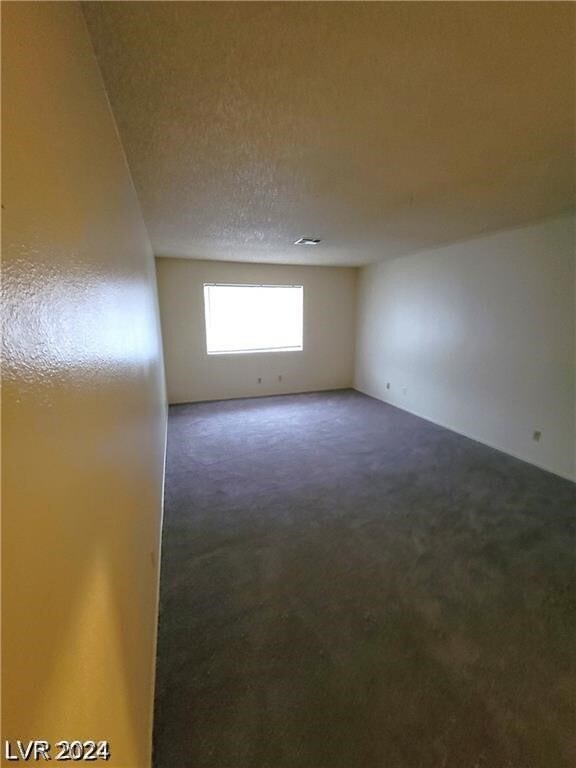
{"points": [[307, 241]]}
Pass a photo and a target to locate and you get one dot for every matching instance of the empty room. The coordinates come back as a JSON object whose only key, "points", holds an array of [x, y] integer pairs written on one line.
{"points": [[289, 384]]}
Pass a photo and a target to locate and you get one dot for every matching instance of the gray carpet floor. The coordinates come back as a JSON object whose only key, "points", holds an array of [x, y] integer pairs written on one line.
{"points": [[345, 585]]}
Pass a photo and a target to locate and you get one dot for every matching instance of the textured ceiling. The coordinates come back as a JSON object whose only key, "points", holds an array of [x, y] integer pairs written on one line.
{"points": [[382, 128]]}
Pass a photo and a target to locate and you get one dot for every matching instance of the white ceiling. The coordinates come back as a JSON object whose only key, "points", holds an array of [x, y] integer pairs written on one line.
{"points": [[383, 128]]}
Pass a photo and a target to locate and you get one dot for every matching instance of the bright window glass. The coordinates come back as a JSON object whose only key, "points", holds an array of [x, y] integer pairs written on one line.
{"points": [[253, 318]]}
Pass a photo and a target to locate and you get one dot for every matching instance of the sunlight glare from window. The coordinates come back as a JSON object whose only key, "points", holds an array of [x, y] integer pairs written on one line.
{"points": [[253, 318]]}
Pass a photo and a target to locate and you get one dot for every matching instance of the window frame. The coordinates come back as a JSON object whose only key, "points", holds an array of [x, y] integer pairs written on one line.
{"points": [[263, 351]]}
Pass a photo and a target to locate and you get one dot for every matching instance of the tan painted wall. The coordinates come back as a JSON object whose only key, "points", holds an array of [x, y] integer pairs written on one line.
{"points": [[480, 337], [83, 402], [327, 361]]}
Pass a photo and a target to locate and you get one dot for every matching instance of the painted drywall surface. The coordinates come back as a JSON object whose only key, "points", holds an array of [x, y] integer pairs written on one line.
{"points": [[327, 361], [83, 402], [479, 337]]}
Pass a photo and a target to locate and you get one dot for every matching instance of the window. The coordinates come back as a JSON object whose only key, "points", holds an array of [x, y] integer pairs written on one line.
{"points": [[253, 318]]}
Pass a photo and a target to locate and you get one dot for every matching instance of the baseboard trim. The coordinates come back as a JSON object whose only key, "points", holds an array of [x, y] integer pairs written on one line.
{"points": [[263, 396], [563, 475]]}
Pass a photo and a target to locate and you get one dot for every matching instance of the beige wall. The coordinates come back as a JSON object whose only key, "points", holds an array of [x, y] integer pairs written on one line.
{"points": [[327, 361], [83, 402], [479, 337]]}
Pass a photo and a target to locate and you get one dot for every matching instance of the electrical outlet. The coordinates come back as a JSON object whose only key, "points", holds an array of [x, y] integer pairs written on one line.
{"points": [[404, 390], [536, 435], [279, 378], [387, 385], [259, 380]]}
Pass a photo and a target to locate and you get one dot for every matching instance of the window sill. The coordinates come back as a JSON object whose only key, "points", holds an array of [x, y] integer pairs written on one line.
{"points": [[255, 351]]}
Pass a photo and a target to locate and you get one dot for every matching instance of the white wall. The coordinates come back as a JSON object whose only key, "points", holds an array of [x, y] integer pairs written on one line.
{"points": [[83, 402], [327, 361], [480, 337]]}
